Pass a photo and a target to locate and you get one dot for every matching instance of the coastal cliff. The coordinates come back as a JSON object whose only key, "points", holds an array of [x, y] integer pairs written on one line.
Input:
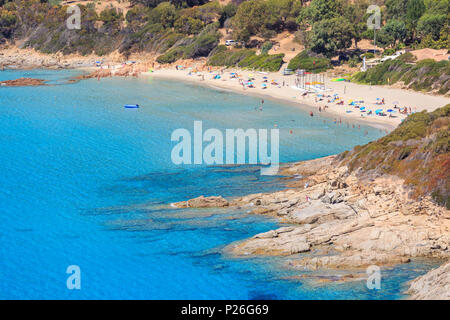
{"points": [[380, 204]]}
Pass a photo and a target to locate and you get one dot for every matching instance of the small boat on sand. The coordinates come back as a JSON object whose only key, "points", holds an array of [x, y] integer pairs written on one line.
{"points": [[131, 106]]}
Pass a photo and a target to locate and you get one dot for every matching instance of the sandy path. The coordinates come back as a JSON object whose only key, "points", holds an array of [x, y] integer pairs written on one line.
{"points": [[347, 91]]}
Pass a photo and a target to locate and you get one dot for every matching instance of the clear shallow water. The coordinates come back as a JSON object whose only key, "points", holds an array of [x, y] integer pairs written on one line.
{"points": [[85, 182]]}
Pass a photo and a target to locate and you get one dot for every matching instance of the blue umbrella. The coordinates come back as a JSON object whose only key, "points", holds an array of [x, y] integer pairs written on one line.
{"points": [[390, 110], [378, 111], [362, 108]]}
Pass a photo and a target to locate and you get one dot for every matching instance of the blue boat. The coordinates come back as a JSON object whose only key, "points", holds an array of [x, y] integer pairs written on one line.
{"points": [[131, 106]]}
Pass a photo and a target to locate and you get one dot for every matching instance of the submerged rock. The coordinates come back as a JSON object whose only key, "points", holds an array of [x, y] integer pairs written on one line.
{"points": [[23, 82], [203, 202]]}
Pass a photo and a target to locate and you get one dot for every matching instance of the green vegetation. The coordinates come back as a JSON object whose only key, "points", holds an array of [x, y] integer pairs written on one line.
{"points": [[417, 151], [426, 75], [245, 58], [199, 46], [183, 28], [309, 63]]}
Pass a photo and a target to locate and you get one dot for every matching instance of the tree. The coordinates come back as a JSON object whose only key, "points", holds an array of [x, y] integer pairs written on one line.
{"points": [[320, 10], [228, 12], [437, 6], [416, 8], [249, 19], [188, 25], [7, 22], [431, 24], [330, 36], [396, 9], [165, 13], [357, 13], [396, 29]]}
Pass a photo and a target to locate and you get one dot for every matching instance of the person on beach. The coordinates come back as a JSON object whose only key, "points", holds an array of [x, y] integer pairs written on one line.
{"points": [[311, 114]]}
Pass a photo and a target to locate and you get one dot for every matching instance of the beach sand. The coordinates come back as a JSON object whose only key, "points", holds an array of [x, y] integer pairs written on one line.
{"points": [[347, 91]]}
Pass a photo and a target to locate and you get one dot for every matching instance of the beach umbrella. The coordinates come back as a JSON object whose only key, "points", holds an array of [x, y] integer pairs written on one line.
{"points": [[378, 111], [362, 108], [390, 110]]}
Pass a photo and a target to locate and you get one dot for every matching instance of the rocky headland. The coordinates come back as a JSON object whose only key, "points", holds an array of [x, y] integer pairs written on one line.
{"points": [[361, 208]]}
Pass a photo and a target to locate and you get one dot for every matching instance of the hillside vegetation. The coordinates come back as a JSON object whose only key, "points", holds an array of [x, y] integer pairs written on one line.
{"points": [[245, 59], [178, 29], [425, 75], [417, 151]]}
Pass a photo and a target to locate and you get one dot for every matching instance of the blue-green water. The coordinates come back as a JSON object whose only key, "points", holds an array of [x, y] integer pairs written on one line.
{"points": [[85, 182]]}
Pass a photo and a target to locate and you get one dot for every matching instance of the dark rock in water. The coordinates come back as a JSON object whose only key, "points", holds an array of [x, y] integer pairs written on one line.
{"points": [[262, 296]]}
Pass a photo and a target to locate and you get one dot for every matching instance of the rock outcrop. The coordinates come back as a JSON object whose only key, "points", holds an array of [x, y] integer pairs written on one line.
{"points": [[202, 202], [435, 285], [348, 221], [22, 82], [342, 220], [371, 206]]}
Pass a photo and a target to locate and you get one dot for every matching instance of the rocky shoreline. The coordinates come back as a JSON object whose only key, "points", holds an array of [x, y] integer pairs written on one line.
{"points": [[344, 221], [15, 58]]}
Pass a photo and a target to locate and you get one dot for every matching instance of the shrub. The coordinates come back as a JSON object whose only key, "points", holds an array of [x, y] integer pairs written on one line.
{"points": [[246, 59], [265, 48], [311, 64]]}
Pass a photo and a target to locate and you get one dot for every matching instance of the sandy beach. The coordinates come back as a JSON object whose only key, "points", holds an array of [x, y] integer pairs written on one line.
{"points": [[345, 90], [285, 90]]}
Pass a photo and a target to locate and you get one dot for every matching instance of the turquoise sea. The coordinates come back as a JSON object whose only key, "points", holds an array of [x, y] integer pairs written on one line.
{"points": [[85, 182]]}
